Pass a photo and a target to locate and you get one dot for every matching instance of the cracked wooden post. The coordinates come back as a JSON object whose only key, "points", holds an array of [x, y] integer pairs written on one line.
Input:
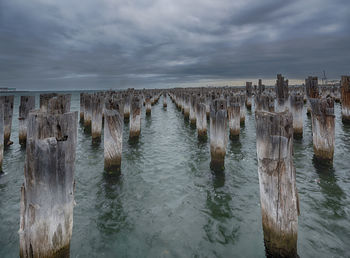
{"points": [[82, 105], [249, 94], [47, 195], [135, 122], [345, 99], [282, 94], [58, 104], [164, 100], [312, 91], [323, 128], [201, 121], [87, 111], [27, 104], [233, 112], [44, 100], [96, 119], [113, 140], [8, 113], [1, 132], [264, 102], [296, 107], [186, 106], [192, 115], [278, 192], [218, 134], [148, 105]]}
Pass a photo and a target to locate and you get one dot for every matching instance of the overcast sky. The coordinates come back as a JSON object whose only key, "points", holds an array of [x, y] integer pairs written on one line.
{"points": [[59, 44]]}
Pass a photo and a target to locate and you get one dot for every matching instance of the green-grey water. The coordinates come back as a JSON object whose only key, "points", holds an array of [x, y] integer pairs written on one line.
{"points": [[167, 202]]}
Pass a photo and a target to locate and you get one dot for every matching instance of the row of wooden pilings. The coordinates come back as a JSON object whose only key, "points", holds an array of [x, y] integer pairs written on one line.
{"points": [[50, 136]]}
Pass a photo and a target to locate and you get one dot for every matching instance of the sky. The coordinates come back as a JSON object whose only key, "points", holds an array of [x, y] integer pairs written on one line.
{"points": [[102, 44]]}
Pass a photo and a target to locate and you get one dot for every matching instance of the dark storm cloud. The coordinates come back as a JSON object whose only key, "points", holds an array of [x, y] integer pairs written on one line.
{"points": [[111, 43]]}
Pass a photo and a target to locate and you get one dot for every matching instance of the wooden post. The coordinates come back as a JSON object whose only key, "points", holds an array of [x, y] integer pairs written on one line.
{"points": [[281, 93], [345, 98], [264, 102], [242, 98], [127, 107], [59, 104], [278, 192], [113, 140], [27, 104], [47, 195], [87, 111], [218, 134], [193, 110], [96, 121], [82, 105], [8, 113], [186, 104], [164, 100], [1, 132], [234, 119], [201, 121], [296, 107], [44, 100], [323, 128], [148, 105], [312, 91], [249, 93], [135, 122]]}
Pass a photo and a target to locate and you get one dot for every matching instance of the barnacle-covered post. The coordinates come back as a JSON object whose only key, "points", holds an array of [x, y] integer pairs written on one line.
{"points": [[249, 94], [281, 94], [233, 112], [218, 134], [27, 104], [47, 195], [96, 119], [201, 121], [323, 128], [345, 98], [278, 192], [8, 113], [135, 121], [296, 108], [113, 140]]}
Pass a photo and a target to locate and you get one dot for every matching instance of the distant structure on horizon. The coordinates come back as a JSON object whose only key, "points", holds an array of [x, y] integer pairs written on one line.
{"points": [[7, 89]]}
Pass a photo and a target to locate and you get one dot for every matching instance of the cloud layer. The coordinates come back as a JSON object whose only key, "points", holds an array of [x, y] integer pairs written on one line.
{"points": [[49, 44]]}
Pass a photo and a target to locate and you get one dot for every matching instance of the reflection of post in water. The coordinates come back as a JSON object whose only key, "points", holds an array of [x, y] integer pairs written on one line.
{"points": [[111, 218], [328, 183]]}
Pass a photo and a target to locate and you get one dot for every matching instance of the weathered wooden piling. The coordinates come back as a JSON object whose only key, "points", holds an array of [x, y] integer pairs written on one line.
{"points": [[27, 104], [278, 192], [1, 132], [82, 105], [264, 102], [44, 100], [345, 98], [113, 140], [311, 90], [47, 195], [148, 105], [192, 115], [249, 94], [135, 121], [201, 121], [8, 113], [164, 100], [127, 107], [282, 94], [186, 106], [323, 128], [242, 100], [59, 104], [296, 108], [218, 134], [87, 111], [233, 112], [96, 119]]}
